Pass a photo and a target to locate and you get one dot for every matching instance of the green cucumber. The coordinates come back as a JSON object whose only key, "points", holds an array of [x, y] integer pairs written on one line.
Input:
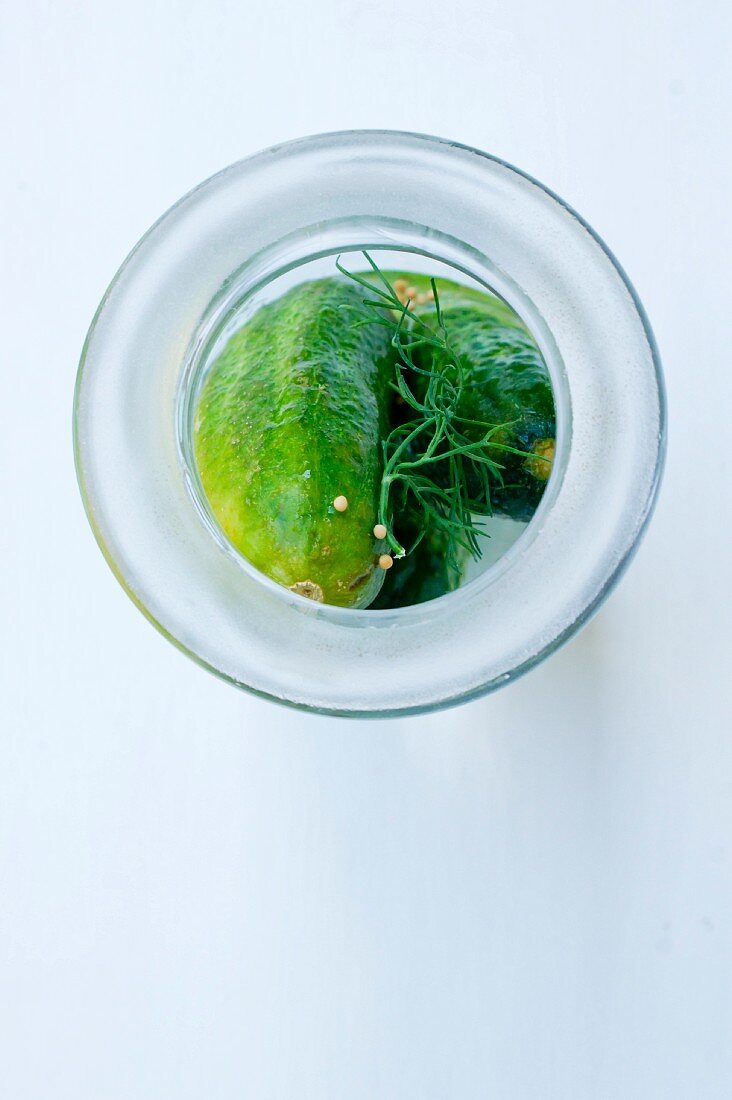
{"points": [[291, 416], [506, 382]]}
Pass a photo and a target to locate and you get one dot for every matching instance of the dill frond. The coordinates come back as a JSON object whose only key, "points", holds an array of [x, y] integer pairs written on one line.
{"points": [[431, 466]]}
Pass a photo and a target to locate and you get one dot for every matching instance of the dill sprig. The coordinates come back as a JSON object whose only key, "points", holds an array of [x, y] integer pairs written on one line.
{"points": [[432, 468]]}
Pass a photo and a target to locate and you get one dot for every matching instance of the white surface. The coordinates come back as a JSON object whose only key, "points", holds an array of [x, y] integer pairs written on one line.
{"points": [[205, 896]]}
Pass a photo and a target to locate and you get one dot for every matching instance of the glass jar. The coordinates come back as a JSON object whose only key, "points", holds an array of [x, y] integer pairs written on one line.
{"points": [[262, 219]]}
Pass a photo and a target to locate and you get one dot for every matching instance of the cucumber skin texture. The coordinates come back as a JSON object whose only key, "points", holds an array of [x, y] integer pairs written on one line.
{"points": [[298, 389], [507, 382]]}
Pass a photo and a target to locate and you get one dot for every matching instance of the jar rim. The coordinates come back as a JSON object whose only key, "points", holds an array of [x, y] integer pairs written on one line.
{"points": [[122, 313]]}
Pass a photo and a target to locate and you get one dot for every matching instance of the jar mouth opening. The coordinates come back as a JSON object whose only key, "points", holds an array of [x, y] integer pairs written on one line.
{"points": [[348, 238]]}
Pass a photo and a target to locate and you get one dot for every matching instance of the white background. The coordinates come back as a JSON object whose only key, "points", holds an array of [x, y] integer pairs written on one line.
{"points": [[203, 895]]}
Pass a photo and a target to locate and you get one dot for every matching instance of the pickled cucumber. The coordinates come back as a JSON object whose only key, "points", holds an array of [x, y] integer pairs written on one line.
{"points": [[291, 417], [507, 382]]}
